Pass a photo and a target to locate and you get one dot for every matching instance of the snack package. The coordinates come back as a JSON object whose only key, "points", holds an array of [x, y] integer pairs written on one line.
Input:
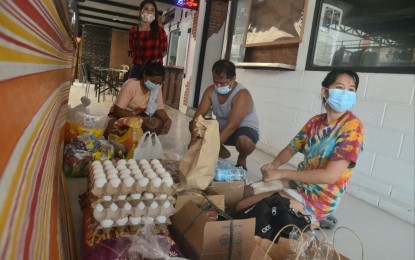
{"points": [[75, 161], [127, 131]]}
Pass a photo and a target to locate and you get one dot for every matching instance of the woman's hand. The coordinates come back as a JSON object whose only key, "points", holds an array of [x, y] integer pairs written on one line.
{"points": [[271, 174], [267, 167], [166, 126]]}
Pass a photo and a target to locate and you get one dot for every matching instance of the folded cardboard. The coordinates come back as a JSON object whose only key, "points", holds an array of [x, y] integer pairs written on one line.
{"points": [[233, 191], [199, 200], [201, 238], [280, 251]]}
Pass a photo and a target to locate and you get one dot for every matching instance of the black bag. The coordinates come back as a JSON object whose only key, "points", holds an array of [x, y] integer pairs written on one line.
{"points": [[272, 214]]}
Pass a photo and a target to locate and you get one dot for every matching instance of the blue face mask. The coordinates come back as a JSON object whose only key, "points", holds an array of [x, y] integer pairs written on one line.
{"points": [[150, 85], [223, 90], [341, 100]]}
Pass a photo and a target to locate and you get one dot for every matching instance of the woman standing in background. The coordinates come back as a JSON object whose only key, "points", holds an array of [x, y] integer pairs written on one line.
{"points": [[148, 40]]}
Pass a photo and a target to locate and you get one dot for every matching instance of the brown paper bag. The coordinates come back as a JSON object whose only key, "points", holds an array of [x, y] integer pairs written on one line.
{"points": [[197, 168]]}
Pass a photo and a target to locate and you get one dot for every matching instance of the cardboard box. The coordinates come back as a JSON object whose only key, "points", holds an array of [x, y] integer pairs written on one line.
{"points": [[201, 238], [199, 200], [233, 191]]}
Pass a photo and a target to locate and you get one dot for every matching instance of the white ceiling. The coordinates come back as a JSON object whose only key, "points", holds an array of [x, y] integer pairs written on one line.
{"points": [[116, 14]]}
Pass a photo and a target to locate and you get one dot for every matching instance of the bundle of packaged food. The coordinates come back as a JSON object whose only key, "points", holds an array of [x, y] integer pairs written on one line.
{"points": [[81, 151], [125, 195]]}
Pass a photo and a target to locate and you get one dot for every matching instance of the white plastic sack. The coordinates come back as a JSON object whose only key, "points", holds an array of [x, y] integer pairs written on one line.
{"points": [[149, 147]]}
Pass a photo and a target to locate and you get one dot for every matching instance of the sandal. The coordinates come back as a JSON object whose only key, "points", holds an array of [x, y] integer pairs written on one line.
{"points": [[243, 167], [328, 223]]}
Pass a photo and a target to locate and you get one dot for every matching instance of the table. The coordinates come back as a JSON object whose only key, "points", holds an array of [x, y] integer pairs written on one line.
{"points": [[107, 80]]}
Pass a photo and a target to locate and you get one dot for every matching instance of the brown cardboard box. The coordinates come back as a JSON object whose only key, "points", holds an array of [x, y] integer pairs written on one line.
{"points": [[199, 200], [201, 238], [233, 191]]}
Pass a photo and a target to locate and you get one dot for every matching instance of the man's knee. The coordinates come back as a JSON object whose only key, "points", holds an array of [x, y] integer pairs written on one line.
{"points": [[245, 144]]}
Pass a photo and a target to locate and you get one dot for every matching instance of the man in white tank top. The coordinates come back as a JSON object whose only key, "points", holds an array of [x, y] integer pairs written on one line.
{"points": [[234, 109]]}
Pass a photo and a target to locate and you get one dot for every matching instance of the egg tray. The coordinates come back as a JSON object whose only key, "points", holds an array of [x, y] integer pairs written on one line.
{"points": [[94, 233], [107, 189], [134, 202], [135, 212]]}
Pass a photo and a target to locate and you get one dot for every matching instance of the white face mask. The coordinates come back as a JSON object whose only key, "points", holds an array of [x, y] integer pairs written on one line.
{"points": [[148, 18]]}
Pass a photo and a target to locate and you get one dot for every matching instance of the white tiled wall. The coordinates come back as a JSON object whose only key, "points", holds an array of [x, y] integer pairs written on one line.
{"points": [[384, 175]]}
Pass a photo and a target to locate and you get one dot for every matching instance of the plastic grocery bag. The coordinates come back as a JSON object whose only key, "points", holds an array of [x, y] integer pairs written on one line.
{"points": [[197, 168], [149, 147]]}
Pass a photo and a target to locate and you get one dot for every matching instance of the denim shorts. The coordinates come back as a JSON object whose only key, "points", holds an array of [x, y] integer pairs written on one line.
{"points": [[247, 131]]}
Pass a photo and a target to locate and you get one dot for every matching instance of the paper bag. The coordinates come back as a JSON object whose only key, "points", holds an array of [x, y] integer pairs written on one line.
{"points": [[197, 168]]}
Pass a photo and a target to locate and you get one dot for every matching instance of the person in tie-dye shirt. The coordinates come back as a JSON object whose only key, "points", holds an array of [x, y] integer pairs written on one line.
{"points": [[331, 143]]}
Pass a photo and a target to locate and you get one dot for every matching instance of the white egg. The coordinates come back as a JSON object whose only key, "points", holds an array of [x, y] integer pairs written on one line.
{"points": [[151, 175], [133, 167], [109, 167], [147, 220], [121, 197], [127, 206], [106, 197], [99, 175], [112, 175], [121, 221], [99, 183], [141, 205], [112, 171], [98, 169], [156, 167], [168, 181], [148, 195], [121, 167], [137, 176], [136, 171], [124, 176], [161, 219], [99, 207], [154, 205], [122, 161], [115, 182], [95, 163], [160, 171], [131, 161], [135, 196], [155, 161], [143, 161], [107, 162], [125, 171], [145, 167], [114, 207], [134, 220], [143, 181], [165, 175], [107, 223], [156, 182], [128, 182], [163, 196], [166, 204]]}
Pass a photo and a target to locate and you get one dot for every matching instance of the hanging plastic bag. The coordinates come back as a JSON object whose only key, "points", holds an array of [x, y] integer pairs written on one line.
{"points": [[149, 147]]}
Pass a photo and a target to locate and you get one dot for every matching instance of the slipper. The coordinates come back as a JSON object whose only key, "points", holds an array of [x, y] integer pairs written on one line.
{"points": [[328, 223], [243, 167]]}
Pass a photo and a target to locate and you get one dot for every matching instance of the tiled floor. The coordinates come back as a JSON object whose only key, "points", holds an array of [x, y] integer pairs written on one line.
{"points": [[384, 236]]}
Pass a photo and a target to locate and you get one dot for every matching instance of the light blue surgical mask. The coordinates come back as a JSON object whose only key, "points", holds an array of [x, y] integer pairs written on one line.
{"points": [[150, 85], [223, 90], [341, 100]]}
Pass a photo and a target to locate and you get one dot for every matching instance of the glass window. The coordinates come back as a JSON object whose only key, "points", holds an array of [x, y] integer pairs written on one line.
{"points": [[236, 50], [173, 46], [373, 36]]}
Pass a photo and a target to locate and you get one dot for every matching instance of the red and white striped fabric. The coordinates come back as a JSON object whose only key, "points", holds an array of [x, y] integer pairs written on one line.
{"points": [[37, 57]]}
